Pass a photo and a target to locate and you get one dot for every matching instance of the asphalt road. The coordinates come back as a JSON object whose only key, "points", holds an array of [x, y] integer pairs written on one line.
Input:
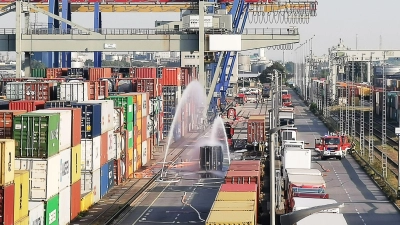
{"points": [[365, 204]]}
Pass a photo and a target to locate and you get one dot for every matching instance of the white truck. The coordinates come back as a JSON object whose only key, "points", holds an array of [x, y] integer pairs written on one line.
{"points": [[323, 218], [286, 116], [288, 134], [305, 203]]}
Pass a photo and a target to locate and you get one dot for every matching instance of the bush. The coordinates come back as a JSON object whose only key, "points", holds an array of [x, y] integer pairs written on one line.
{"points": [[314, 108]]}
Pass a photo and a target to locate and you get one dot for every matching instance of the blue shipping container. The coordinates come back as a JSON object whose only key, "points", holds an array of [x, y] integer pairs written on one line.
{"points": [[104, 180], [58, 104], [177, 131], [91, 119], [110, 174]]}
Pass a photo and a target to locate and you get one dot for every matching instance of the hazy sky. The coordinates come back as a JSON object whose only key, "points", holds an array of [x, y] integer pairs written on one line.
{"points": [[336, 19]]}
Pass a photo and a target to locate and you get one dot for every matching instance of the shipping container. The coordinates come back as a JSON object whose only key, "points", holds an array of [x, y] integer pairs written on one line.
{"points": [[144, 129], [91, 119], [119, 171], [4, 104], [300, 171], [7, 204], [15, 90], [137, 157], [106, 174], [44, 176], [64, 206], [137, 101], [131, 135], [118, 119], [149, 85], [110, 174], [97, 73], [127, 103], [58, 104], [145, 152], [76, 159], [242, 177], [39, 72], [75, 199], [99, 89], [36, 134], [28, 105], [90, 154], [36, 213], [130, 163], [76, 118], [86, 200], [53, 73], [234, 217], [52, 211], [256, 129], [73, 91], [23, 221], [152, 125], [171, 76], [7, 159], [124, 85], [238, 188], [107, 113], [118, 146], [65, 168], [39, 91], [143, 72], [145, 104], [111, 147], [234, 206], [90, 182], [21, 194], [149, 149], [65, 122], [6, 122], [306, 181], [236, 196]]}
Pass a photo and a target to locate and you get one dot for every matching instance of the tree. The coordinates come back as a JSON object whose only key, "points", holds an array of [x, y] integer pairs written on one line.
{"points": [[263, 77], [37, 65], [289, 66]]}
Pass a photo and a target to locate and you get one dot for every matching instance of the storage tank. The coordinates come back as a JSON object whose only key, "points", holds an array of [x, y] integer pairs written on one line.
{"points": [[255, 68], [389, 70], [77, 64], [244, 63], [110, 57], [262, 67]]}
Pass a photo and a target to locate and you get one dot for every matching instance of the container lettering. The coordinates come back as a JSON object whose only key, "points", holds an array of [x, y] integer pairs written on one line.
{"points": [[52, 216], [64, 169], [38, 221]]}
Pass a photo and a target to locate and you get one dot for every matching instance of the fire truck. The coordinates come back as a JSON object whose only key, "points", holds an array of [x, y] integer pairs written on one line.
{"points": [[333, 146], [286, 98]]}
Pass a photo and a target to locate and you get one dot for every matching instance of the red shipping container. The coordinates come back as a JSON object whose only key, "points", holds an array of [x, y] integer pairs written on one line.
{"points": [[150, 146], [161, 124], [53, 72], [126, 163], [125, 85], [6, 122], [39, 91], [75, 199], [185, 76], [256, 129], [149, 85], [54, 79], [28, 105], [238, 188], [244, 167], [76, 124], [171, 76], [98, 89], [104, 148], [242, 177], [144, 72], [7, 204], [144, 129], [118, 179], [98, 73]]}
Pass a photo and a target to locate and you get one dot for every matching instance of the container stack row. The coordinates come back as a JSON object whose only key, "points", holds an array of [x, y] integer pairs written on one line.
{"points": [[238, 200], [392, 104]]}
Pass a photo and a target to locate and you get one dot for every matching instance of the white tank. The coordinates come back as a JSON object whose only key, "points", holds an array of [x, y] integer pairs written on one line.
{"points": [[77, 64], [244, 63]]}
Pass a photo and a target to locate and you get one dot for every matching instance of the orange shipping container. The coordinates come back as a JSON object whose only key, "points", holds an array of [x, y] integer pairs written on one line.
{"points": [[171, 76], [130, 164], [97, 73], [150, 149], [144, 72], [149, 85], [256, 129], [38, 91], [135, 135], [28, 105], [104, 148], [138, 150], [6, 122], [75, 199], [118, 179], [53, 72], [144, 128], [98, 89]]}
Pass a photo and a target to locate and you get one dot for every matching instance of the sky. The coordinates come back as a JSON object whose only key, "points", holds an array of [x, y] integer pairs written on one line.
{"points": [[364, 20]]}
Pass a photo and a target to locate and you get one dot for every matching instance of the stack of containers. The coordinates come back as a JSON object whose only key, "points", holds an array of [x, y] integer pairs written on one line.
{"points": [[125, 133], [37, 150], [153, 117], [21, 195], [7, 190], [6, 122]]}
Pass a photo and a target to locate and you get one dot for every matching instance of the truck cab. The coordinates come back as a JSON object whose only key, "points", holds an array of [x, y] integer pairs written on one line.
{"points": [[241, 99], [333, 146], [286, 116], [288, 134]]}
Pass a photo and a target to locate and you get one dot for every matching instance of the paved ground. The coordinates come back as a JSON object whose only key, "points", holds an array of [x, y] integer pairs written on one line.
{"points": [[365, 204]]}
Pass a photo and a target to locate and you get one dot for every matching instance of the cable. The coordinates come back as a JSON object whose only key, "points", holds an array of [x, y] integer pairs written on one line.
{"points": [[187, 204]]}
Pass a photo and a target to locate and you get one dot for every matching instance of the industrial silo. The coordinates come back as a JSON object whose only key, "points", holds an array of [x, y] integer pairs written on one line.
{"points": [[77, 64], [255, 68], [244, 63], [263, 67]]}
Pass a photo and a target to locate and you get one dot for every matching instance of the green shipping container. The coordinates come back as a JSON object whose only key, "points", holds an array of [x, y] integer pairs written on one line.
{"points": [[36, 135], [38, 72], [127, 103], [129, 128], [51, 213]]}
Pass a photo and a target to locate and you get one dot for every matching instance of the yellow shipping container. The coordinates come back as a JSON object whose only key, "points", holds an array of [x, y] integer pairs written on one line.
{"points": [[86, 201], [236, 196], [139, 123], [23, 221], [76, 163], [131, 163], [138, 156], [7, 159], [233, 206], [227, 218], [21, 194]]}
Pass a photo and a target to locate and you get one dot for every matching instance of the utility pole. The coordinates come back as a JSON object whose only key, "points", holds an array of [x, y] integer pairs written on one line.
{"points": [[384, 156], [371, 116]]}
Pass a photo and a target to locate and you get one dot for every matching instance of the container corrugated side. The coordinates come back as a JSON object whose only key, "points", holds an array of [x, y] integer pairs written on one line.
{"points": [[65, 169], [91, 119], [119, 122], [7, 204], [145, 152], [130, 163], [127, 103], [306, 181], [90, 182], [65, 122], [226, 217], [233, 206], [90, 154], [236, 196], [145, 104], [107, 113], [23, 221], [76, 160], [36, 213], [111, 146], [39, 91], [75, 199], [28, 105], [21, 196], [15, 90], [131, 138], [118, 147], [104, 145], [36, 135], [86, 200], [110, 174], [137, 102], [104, 180], [73, 91], [7, 158], [43, 175], [76, 118], [6, 122], [51, 211], [64, 206], [171, 76], [238, 188]]}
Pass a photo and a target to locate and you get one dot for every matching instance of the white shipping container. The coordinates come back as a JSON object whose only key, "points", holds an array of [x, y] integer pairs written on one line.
{"points": [[118, 118], [73, 91], [90, 181], [306, 203], [118, 147], [90, 153], [328, 218], [43, 176], [36, 213], [145, 104], [15, 90], [107, 114], [151, 126], [64, 138], [144, 152], [297, 158], [64, 206], [306, 181], [314, 172], [135, 160], [192, 21], [65, 169], [111, 145]]}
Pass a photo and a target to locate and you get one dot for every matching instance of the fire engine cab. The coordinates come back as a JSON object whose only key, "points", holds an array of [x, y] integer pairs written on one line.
{"points": [[286, 98], [333, 146]]}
